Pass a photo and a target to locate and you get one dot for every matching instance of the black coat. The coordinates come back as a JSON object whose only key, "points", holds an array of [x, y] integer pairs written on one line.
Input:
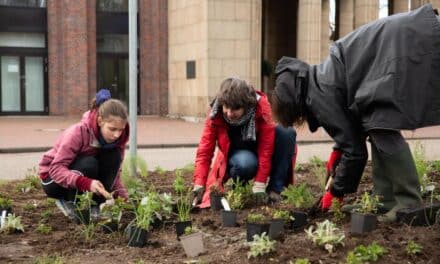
{"points": [[383, 75]]}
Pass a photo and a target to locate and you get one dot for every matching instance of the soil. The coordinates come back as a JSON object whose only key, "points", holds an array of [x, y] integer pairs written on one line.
{"points": [[223, 245]]}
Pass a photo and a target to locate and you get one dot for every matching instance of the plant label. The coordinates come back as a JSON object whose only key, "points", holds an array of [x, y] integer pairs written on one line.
{"points": [[225, 204], [2, 219]]}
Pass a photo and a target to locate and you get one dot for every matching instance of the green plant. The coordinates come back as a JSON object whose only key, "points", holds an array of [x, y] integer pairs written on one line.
{"points": [[159, 170], [49, 260], [30, 206], [31, 181], [299, 196], [282, 214], [368, 204], [46, 214], [365, 254], [184, 206], [326, 234], [146, 210], [300, 261], [50, 202], [412, 248], [419, 157], [318, 170], [43, 229], [85, 201], [12, 224], [235, 196], [137, 162], [189, 168], [179, 183], [5, 202], [255, 218], [88, 232], [113, 212], [261, 245], [336, 206]]}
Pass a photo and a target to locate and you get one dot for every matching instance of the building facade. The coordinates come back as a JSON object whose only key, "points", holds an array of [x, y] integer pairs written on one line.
{"points": [[55, 54]]}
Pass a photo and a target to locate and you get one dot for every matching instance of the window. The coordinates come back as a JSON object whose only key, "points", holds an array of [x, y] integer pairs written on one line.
{"points": [[24, 3], [112, 5]]}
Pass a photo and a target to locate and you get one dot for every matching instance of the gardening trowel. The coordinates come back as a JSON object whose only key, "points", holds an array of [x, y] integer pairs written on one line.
{"points": [[316, 208]]}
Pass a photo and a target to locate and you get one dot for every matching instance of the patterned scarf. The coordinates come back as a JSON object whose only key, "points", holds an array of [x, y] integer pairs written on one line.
{"points": [[248, 132]]}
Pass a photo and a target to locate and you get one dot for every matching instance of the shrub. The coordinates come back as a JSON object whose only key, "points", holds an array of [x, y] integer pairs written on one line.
{"points": [[256, 218], [368, 204]]}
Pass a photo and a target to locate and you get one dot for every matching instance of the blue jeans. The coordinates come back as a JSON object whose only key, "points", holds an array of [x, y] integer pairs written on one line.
{"points": [[243, 164]]}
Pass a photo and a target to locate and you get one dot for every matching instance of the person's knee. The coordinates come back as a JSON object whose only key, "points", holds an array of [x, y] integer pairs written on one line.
{"points": [[87, 165], [243, 164], [283, 134]]}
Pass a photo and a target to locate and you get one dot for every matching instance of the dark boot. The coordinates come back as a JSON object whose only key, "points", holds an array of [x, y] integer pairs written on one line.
{"points": [[405, 183], [382, 185]]}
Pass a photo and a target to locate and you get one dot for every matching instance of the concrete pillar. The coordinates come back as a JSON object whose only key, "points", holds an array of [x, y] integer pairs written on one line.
{"points": [[309, 31], [400, 6], [153, 57], [72, 55]]}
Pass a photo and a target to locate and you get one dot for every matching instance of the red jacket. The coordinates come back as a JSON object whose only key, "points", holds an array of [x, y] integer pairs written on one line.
{"points": [[80, 139], [216, 131]]}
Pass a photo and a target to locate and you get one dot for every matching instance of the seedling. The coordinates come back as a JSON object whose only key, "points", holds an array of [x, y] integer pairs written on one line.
{"points": [[159, 170], [338, 215], [134, 162], [46, 214], [235, 197], [189, 168], [49, 260], [179, 183], [318, 170], [43, 229], [184, 207], [300, 261], [363, 254], [368, 204], [299, 196], [256, 218], [31, 181], [112, 213], [261, 245], [326, 234], [12, 224], [146, 210], [412, 248], [5, 203], [283, 214], [421, 165]]}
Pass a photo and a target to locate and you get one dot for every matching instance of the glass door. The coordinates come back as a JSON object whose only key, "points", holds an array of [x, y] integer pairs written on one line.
{"points": [[113, 75], [22, 84]]}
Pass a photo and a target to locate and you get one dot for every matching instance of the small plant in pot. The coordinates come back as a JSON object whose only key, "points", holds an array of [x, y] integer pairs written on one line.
{"points": [[139, 228], [11, 224], [236, 201], [183, 204], [364, 218], [192, 242], [5, 205], [215, 196], [280, 219], [111, 214], [326, 234], [256, 224], [301, 197], [83, 207]]}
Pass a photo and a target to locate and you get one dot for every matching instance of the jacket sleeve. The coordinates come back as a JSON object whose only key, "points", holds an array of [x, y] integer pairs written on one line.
{"points": [[265, 143], [205, 152], [68, 147]]}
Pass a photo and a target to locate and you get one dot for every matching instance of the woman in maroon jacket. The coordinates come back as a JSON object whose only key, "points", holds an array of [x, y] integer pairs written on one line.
{"points": [[88, 156], [250, 145]]}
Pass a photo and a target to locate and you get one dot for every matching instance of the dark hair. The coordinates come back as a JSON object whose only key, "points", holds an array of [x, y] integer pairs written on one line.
{"points": [[236, 93], [287, 114]]}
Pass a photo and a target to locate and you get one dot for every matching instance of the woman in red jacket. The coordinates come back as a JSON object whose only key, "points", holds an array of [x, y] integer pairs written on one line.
{"points": [[250, 145], [88, 156]]}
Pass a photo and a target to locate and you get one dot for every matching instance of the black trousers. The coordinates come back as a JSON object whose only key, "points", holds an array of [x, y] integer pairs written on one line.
{"points": [[103, 166]]}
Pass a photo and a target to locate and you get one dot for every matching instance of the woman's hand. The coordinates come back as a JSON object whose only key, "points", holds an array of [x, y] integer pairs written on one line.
{"points": [[97, 187]]}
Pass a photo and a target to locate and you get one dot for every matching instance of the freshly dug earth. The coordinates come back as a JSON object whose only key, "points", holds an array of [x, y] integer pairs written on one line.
{"points": [[223, 245]]}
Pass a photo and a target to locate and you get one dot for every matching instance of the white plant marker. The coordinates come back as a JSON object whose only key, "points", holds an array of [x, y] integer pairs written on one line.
{"points": [[225, 204], [2, 219]]}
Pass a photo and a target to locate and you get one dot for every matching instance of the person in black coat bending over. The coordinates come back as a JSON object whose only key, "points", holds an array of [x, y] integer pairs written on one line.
{"points": [[379, 79]]}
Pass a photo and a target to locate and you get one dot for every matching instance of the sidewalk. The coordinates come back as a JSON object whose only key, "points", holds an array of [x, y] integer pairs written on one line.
{"points": [[38, 133]]}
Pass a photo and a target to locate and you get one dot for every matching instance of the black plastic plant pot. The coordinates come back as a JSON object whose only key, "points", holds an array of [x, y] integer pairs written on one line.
{"points": [[299, 221], [7, 209], [276, 228], [422, 216], [82, 216], [229, 218], [137, 237], [255, 229], [180, 227], [362, 223], [110, 227], [216, 204], [157, 223]]}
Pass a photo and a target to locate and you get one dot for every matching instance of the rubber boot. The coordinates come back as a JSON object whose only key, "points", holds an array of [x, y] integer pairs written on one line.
{"points": [[402, 173], [382, 184]]}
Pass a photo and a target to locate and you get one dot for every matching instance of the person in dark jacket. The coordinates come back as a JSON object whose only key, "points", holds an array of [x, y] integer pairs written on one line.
{"points": [[88, 156], [250, 145], [379, 79]]}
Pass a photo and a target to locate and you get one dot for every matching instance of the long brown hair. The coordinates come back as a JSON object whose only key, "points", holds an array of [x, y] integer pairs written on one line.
{"points": [[111, 107], [236, 93]]}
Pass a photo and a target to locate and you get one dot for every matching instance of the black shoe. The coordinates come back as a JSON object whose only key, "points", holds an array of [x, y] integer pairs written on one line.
{"points": [[66, 207], [95, 212]]}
